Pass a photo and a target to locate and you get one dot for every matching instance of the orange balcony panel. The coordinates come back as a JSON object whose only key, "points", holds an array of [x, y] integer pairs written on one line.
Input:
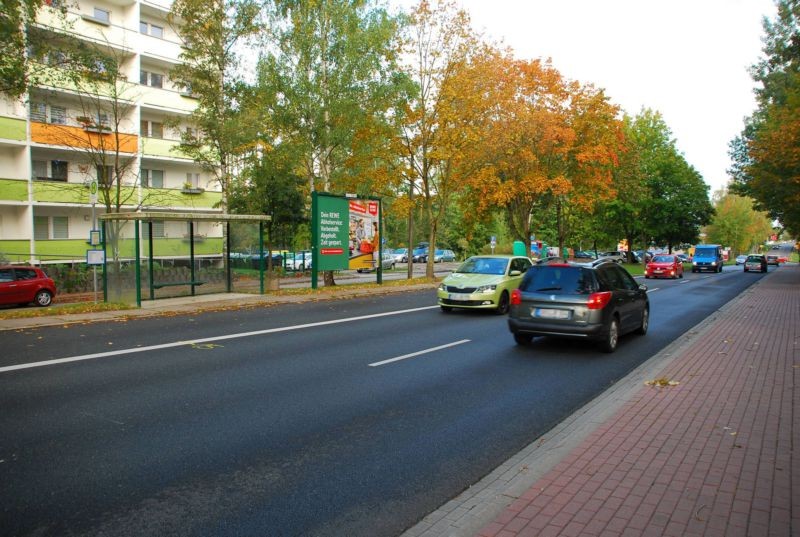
{"points": [[46, 133]]}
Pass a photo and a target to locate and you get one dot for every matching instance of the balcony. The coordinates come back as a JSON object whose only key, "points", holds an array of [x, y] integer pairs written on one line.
{"points": [[86, 137]]}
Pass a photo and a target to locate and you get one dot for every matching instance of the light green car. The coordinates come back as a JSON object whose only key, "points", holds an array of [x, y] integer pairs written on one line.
{"points": [[483, 282]]}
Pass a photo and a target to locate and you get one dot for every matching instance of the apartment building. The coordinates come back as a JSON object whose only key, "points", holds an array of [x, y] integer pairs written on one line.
{"points": [[62, 137]]}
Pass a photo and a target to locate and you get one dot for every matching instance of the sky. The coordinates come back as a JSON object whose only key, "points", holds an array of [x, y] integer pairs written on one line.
{"points": [[687, 59]]}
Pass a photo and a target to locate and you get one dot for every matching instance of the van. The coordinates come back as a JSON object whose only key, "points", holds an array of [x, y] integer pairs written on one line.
{"points": [[707, 257]]}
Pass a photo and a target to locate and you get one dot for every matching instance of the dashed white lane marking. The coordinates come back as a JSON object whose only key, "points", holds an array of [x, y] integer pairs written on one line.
{"points": [[418, 353]]}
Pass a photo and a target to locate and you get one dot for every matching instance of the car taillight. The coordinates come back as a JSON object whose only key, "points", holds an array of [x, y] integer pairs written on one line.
{"points": [[598, 301], [516, 297]]}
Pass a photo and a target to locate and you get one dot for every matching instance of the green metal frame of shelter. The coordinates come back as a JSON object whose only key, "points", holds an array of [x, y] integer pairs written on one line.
{"points": [[149, 217]]}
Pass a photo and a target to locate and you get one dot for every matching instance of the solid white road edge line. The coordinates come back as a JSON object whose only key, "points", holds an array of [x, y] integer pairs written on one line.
{"points": [[413, 354], [205, 340]]}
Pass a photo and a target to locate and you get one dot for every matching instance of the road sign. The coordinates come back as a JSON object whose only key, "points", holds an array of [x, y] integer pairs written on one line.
{"points": [[93, 192]]}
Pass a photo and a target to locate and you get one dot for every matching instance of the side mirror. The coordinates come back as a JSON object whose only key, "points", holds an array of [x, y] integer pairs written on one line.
{"points": [[515, 273], [642, 287]]}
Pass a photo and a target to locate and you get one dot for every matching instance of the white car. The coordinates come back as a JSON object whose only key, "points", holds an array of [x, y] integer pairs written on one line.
{"points": [[400, 255], [300, 261], [616, 257]]}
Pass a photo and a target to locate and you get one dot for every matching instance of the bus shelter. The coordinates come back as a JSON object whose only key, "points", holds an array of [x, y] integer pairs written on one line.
{"points": [[158, 254]]}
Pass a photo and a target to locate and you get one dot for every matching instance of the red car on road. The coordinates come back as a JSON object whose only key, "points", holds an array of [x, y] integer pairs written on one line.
{"points": [[664, 266], [21, 285]]}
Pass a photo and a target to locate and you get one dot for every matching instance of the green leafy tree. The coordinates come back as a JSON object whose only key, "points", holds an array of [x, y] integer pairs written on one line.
{"points": [[213, 32], [16, 22], [679, 203], [331, 66], [270, 186], [766, 155], [438, 40], [737, 224]]}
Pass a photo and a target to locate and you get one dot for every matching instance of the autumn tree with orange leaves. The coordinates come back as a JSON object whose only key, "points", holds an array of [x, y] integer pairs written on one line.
{"points": [[545, 144], [438, 41]]}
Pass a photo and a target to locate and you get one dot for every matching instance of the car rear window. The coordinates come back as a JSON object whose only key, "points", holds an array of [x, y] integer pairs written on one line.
{"points": [[558, 279]]}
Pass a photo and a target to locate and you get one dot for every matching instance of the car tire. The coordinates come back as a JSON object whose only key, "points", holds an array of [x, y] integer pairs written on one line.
{"points": [[609, 344], [523, 339], [43, 298], [642, 330], [503, 304], [446, 309], [680, 275]]}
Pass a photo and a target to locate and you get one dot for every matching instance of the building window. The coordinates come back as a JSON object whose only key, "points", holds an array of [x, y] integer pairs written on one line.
{"points": [[58, 115], [155, 80], [41, 231], [38, 112], [102, 15], [152, 129], [153, 178], [193, 179], [158, 228], [59, 170], [105, 175], [40, 169], [151, 29], [42, 227], [60, 227]]}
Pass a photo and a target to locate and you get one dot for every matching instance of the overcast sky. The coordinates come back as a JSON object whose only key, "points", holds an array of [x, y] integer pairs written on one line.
{"points": [[687, 59]]}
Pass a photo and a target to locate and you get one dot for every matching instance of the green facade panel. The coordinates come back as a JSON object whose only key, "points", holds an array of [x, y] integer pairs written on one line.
{"points": [[13, 190], [158, 147], [166, 197], [60, 192], [13, 129], [14, 251]]}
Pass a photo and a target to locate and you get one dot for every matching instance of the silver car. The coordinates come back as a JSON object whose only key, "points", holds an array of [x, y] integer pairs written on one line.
{"points": [[597, 301]]}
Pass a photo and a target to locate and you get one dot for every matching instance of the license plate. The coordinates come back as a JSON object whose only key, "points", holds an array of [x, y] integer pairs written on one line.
{"points": [[548, 313], [457, 297]]}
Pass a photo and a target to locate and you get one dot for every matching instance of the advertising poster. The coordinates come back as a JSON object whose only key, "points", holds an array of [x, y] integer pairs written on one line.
{"points": [[347, 233], [364, 237], [333, 233]]}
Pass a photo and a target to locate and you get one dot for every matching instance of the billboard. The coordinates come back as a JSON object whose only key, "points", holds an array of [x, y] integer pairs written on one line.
{"points": [[345, 233]]}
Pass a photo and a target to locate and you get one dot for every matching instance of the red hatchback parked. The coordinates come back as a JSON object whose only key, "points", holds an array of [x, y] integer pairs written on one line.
{"points": [[664, 266], [22, 285]]}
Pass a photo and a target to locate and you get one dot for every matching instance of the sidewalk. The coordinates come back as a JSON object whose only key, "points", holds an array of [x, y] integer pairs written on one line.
{"points": [[710, 456]]}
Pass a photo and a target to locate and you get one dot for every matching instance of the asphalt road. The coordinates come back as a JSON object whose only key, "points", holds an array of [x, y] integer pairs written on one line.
{"points": [[354, 417]]}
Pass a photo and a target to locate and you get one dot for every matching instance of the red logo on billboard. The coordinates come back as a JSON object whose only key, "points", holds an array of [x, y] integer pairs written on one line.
{"points": [[331, 251], [373, 208], [356, 207]]}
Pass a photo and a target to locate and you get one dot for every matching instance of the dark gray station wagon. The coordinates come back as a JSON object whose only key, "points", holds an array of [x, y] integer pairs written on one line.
{"points": [[599, 301]]}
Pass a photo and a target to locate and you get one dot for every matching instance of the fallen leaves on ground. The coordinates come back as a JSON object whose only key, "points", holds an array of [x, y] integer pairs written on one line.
{"points": [[662, 382]]}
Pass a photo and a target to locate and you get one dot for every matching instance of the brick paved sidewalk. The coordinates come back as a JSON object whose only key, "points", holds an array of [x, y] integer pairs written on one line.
{"points": [[710, 456]]}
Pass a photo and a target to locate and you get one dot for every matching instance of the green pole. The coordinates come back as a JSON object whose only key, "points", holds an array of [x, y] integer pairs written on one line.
{"points": [[314, 241], [150, 259], [105, 263], [191, 256], [138, 269], [380, 242], [228, 278], [261, 254]]}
